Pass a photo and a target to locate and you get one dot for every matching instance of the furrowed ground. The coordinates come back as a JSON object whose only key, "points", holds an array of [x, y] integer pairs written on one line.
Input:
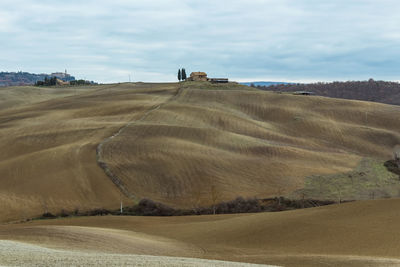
{"points": [[48, 159], [186, 145], [216, 143], [364, 233]]}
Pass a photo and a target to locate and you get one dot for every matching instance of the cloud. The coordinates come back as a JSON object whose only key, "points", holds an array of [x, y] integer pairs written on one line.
{"points": [[107, 41]]}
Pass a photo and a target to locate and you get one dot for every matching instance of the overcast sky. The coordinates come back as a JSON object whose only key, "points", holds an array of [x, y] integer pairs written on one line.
{"points": [[245, 40]]}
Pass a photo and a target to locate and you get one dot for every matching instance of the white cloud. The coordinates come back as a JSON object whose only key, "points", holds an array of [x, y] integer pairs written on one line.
{"points": [[285, 39]]}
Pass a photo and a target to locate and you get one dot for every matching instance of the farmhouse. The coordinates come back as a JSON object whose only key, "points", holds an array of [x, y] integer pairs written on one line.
{"points": [[202, 77], [198, 77]]}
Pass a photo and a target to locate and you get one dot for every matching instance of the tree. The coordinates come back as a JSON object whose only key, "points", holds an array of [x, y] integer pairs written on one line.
{"points": [[179, 75], [39, 83], [184, 74], [53, 81]]}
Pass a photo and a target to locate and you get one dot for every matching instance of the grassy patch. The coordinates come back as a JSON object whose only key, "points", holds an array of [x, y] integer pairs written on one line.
{"points": [[369, 180]]}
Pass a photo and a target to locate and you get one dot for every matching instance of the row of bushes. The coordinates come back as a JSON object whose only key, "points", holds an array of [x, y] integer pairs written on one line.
{"points": [[147, 207]]}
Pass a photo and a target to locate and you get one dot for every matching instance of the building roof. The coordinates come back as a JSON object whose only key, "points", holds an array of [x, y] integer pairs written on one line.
{"points": [[199, 73]]}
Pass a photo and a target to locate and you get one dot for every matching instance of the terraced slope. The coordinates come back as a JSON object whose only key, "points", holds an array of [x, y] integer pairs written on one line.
{"points": [[48, 159], [206, 146], [364, 233]]}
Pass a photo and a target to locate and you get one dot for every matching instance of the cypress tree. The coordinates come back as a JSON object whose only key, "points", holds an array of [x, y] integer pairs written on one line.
{"points": [[184, 74], [179, 75]]}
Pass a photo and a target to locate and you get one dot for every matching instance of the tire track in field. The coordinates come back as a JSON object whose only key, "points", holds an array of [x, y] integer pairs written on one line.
{"points": [[99, 150]]}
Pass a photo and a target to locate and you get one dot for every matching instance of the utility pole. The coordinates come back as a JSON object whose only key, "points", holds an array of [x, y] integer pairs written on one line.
{"points": [[121, 208]]}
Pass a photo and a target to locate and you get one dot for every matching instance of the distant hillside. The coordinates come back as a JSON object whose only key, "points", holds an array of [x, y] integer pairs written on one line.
{"points": [[375, 91], [26, 78], [264, 83]]}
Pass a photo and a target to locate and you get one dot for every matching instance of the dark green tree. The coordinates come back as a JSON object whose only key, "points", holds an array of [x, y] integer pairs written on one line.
{"points": [[179, 75], [184, 74], [53, 81]]}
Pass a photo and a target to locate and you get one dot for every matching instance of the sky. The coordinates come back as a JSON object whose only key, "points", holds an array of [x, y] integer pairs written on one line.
{"points": [[244, 40]]}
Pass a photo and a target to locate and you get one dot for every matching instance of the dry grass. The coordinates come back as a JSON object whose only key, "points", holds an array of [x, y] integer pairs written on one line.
{"points": [[200, 147], [11, 97], [364, 233], [48, 159], [196, 148], [20, 254], [211, 145]]}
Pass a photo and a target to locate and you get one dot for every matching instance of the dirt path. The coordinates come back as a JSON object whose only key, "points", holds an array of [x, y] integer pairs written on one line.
{"points": [[101, 162]]}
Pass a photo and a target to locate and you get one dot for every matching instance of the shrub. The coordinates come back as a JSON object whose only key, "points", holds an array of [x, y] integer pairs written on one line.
{"points": [[48, 215], [239, 205], [63, 213], [147, 207], [98, 212]]}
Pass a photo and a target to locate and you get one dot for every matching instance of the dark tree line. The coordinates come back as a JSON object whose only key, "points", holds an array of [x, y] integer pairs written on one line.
{"points": [[53, 81], [182, 75], [80, 82], [47, 82], [148, 207], [371, 90]]}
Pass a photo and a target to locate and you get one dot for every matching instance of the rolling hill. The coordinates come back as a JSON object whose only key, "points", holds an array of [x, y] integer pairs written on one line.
{"points": [[364, 233], [184, 144], [204, 145], [48, 159], [187, 145]]}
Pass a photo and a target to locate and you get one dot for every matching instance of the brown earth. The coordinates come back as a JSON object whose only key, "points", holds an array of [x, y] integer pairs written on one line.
{"points": [[48, 159], [212, 145], [187, 146], [364, 233], [184, 147]]}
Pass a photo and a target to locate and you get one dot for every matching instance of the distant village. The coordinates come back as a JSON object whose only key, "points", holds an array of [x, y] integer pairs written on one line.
{"points": [[25, 78]]}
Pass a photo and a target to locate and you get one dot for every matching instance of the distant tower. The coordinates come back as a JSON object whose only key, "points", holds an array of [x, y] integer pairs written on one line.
{"points": [[65, 71]]}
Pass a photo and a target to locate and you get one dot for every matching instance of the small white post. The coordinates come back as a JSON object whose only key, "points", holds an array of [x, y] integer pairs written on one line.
{"points": [[121, 208]]}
